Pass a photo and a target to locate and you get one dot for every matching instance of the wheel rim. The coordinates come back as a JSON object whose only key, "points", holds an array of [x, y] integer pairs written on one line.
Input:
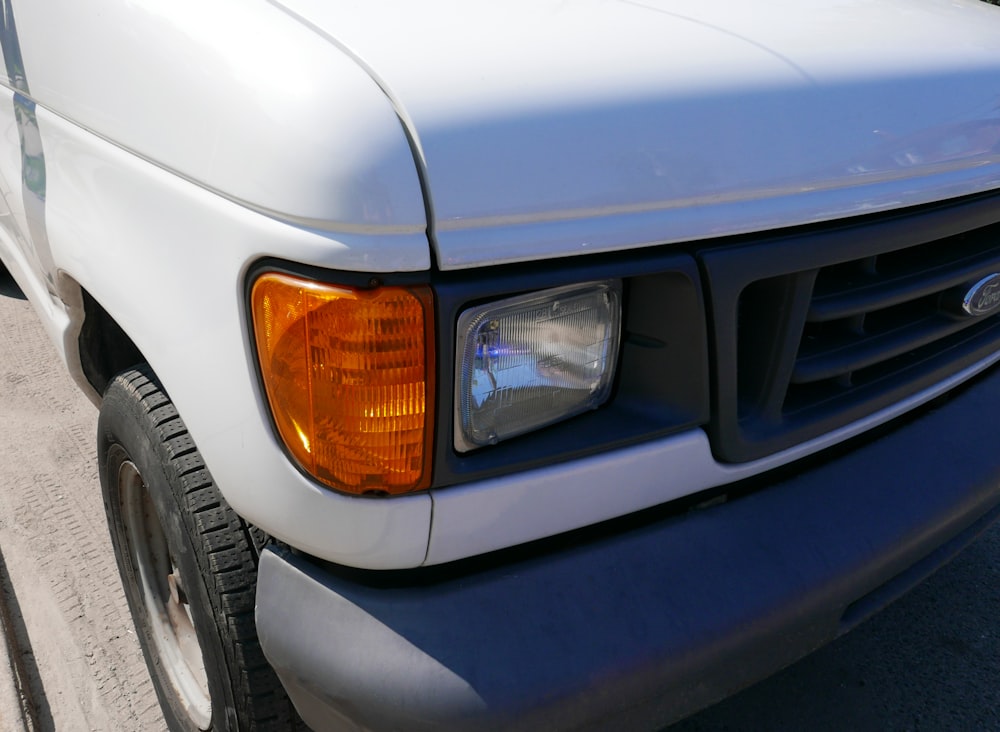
{"points": [[162, 589]]}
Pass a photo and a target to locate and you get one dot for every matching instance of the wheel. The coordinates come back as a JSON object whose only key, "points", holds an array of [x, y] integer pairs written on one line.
{"points": [[188, 565]]}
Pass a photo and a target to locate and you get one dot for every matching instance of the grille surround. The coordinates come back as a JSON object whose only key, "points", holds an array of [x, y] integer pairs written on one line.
{"points": [[813, 330]]}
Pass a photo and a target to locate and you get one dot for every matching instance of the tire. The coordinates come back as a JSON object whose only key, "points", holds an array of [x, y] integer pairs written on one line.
{"points": [[188, 565]]}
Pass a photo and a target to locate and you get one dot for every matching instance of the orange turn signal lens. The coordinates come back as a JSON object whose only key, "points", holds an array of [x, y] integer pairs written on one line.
{"points": [[349, 379]]}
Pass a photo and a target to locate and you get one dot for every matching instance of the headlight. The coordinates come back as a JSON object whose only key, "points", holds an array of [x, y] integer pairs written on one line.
{"points": [[528, 361]]}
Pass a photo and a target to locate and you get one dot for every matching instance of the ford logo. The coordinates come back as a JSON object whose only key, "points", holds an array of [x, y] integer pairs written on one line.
{"points": [[983, 297]]}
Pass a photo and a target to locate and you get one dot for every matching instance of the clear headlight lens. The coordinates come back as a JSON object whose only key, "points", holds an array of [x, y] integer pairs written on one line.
{"points": [[528, 361]]}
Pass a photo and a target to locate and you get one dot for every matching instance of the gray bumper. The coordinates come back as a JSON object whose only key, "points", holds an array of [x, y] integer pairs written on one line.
{"points": [[632, 629]]}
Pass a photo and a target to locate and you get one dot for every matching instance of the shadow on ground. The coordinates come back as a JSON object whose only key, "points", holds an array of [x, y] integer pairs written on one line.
{"points": [[9, 288]]}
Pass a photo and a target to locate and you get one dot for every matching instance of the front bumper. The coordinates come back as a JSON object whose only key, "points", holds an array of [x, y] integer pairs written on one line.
{"points": [[633, 629]]}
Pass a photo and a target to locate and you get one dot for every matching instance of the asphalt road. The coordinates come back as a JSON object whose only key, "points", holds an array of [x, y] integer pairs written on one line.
{"points": [[929, 662], [69, 632]]}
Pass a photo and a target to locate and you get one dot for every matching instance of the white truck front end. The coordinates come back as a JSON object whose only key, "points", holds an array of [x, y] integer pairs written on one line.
{"points": [[469, 313]]}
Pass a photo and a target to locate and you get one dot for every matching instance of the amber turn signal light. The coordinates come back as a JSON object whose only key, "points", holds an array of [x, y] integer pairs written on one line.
{"points": [[349, 379]]}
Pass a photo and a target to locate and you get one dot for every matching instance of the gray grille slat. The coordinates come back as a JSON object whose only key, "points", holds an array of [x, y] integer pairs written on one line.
{"points": [[864, 352], [882, 293]]}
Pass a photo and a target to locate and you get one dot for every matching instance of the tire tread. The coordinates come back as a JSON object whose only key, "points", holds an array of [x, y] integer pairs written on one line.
{"points": [[228, 557]]}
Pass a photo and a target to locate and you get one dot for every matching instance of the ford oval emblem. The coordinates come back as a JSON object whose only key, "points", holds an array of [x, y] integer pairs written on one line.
{"points": [[983, 297]]}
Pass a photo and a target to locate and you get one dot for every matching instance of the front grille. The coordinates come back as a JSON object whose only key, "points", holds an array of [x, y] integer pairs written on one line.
{"points": [[878, 317], [817, 330]]}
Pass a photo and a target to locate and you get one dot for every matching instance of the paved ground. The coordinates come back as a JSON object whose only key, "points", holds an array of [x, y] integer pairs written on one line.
{"points": [[74, 648], [930, 662]]}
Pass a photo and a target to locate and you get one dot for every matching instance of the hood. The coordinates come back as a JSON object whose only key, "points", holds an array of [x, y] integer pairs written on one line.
{"points": [[549, 128]]}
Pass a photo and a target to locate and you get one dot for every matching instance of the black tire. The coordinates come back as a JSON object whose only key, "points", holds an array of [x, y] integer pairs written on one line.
{"points": [[188, 564]]}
